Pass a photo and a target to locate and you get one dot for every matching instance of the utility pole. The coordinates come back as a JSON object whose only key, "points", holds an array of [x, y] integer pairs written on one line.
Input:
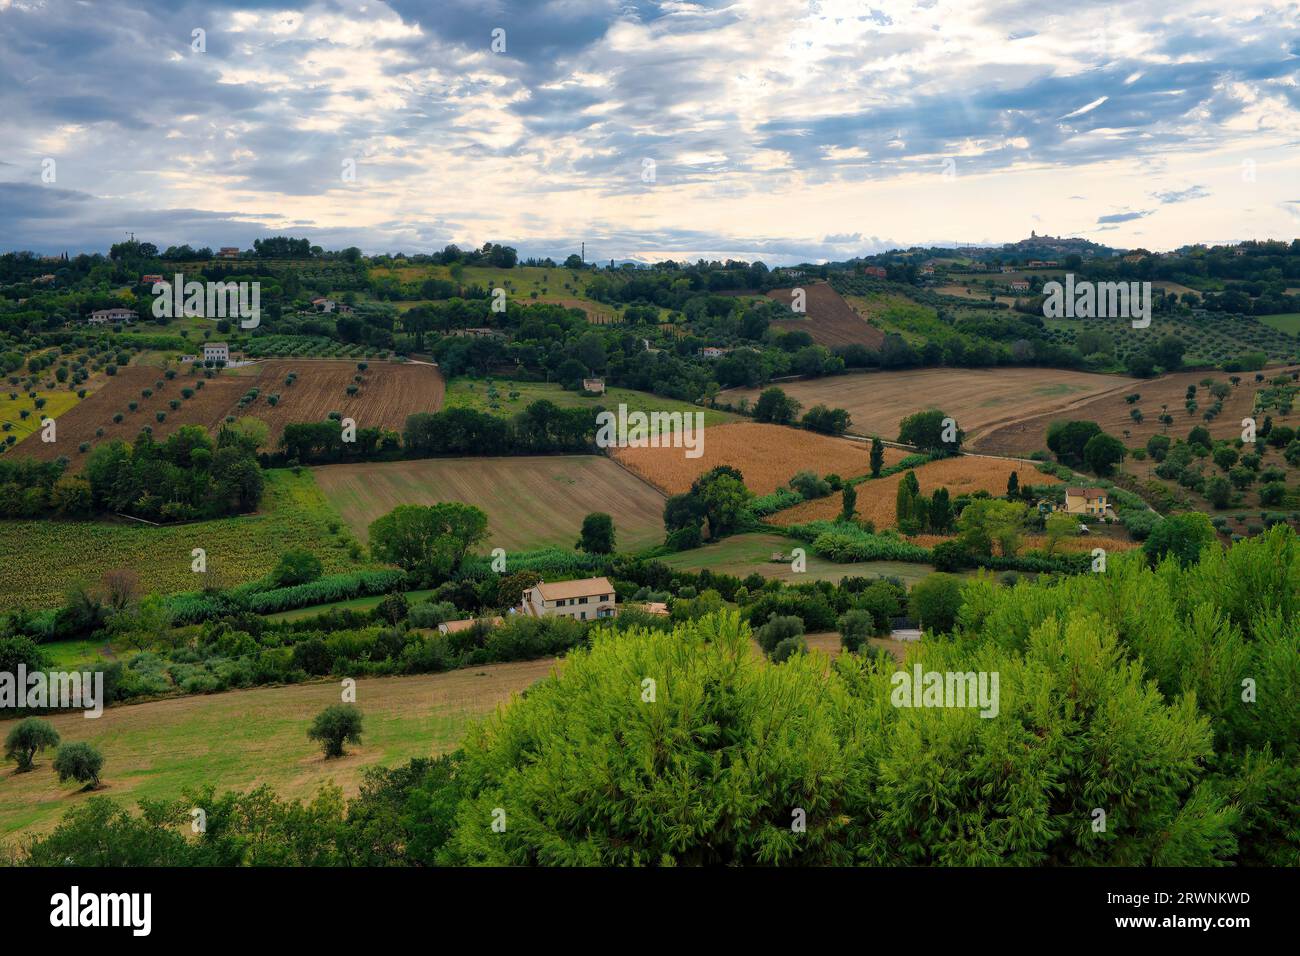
{"points": [[584, 253]]}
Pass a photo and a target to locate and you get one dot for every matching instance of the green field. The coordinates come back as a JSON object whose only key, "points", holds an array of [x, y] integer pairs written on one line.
{"points": [[56, 403], [744, 554], [1288, 323], [242, 739], [473, 393], [356, 604], [40, 559]]}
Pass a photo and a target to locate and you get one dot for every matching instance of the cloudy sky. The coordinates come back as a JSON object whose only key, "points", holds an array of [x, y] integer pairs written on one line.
{"points": [[772, 129]]}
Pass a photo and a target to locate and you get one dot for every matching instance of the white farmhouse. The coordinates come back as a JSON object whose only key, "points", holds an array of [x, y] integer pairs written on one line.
{"points": [[584, 600]]}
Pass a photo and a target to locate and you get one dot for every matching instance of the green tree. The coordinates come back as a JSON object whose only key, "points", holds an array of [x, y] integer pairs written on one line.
{"points": [[334, 726], [855, 625], [940, 517], [877, 457], [1067, 439], [1103, 452], [28, 738], [296, 566], [986, 520], [935, 601], [926, 430], [1013, 485], [80, 762], [848, 502], [776, 407], [1059, 525], [428, 541], [1182, 536], [597, 536], [905, 502]]}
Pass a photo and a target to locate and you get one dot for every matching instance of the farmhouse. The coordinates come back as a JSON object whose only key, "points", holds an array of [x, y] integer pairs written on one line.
{"points": [[594, 385], [322, 304], [1085, 501], [228, 252], [712, 352], [876, 271], [216, 352], [45, 279], [585, 599], [1020, 285], [151, 279], [103, 316]]}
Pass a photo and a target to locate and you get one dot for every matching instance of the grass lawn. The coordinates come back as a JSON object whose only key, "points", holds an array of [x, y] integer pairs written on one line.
{"points": [[744, 554], [242, 739], [56, 403], [1288, 322], [473, 393], [356, 604], [39, 559]]}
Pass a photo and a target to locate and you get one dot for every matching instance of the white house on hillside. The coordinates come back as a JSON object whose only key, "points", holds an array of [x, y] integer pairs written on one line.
{"points": [[216, 352], [584, 600], [104, 316]]}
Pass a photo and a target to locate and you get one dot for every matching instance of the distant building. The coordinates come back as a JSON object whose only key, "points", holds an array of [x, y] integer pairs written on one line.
{"points": [[1134, 257], [582, 600], [45, 279], [1085, 501], [149, 280], [322, 304], [1019, 285], [478, 333], [216, 352], [713, 352], [228, 252], [596, 385], [1008, 268], [115, 316], [876, 271]]}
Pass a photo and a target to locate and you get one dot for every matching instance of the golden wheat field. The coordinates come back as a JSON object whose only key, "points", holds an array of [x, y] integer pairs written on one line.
{"points": [[876, 498], [767, 455]]}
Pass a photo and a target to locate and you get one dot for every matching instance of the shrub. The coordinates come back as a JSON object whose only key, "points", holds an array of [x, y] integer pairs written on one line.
{"points": [[80, 762]]}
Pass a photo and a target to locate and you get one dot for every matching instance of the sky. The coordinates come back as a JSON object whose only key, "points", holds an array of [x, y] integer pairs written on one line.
{"points": [[759, 129]]}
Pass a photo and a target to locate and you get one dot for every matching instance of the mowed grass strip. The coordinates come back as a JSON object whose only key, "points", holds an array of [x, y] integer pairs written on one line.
{"points": [[242, 739], [745, 554], [473, 393], [767, 455], [531, 502], [40, 559]]}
